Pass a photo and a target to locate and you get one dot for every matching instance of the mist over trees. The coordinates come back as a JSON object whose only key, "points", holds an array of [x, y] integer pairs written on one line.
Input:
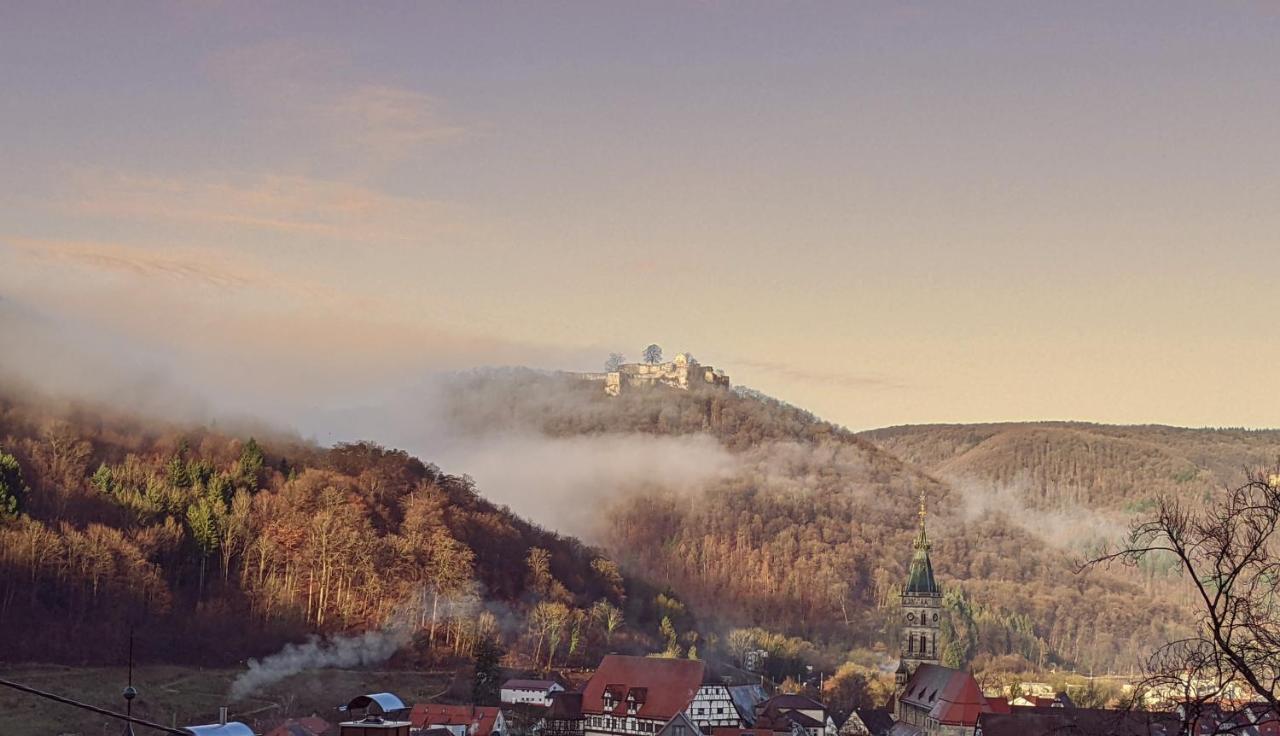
{"points": [[805, 537], [216, 548], [222, 546]]}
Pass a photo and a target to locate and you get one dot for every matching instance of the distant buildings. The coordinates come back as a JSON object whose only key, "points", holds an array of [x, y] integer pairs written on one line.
{"points": [[683, 373], [797, 715], [458, 720], [1061, 721], [529, 692]]}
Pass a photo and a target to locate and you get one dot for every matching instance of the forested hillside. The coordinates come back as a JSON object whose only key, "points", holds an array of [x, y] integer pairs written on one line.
{"points": [[220, 546], [1066, 465], [810, 533], [216, 546]]}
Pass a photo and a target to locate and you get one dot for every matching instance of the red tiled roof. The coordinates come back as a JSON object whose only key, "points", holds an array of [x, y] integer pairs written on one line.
{"points": [[565, 707], [309, 726], [663, 687], [951, 696], [436, 714]]}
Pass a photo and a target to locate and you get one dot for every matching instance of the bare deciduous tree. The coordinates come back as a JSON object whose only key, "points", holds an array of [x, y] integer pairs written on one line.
{"points": [[1228, 551]]}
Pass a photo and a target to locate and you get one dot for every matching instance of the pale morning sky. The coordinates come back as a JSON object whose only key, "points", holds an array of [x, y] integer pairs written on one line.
{"points": [[888, 212]]}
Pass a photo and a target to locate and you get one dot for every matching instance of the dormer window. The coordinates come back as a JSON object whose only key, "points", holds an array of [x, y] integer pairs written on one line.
{"points": [[612, 696]]}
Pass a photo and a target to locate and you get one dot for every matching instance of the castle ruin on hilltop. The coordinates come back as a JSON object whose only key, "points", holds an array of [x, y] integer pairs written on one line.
{"points": [[683, 373]]}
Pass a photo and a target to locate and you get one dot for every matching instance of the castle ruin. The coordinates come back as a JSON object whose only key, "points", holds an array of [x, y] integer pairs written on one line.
{"points": [[683, 373]]}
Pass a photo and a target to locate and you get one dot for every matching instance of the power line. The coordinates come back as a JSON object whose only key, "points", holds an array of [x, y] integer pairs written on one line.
{"points": [[85, 706]]}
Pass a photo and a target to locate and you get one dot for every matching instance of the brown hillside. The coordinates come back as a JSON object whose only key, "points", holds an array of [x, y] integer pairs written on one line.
{"points": [[1061, 465]]}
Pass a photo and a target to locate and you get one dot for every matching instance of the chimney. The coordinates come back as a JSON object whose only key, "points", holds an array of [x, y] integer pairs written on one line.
{"points": [[222, 716]]}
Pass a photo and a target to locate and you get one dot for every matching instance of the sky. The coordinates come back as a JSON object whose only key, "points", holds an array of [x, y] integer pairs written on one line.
{"points": [[884, 212]]}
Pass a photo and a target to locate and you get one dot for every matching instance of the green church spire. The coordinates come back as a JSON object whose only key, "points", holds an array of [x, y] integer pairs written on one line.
{"points": [[920, 578]]}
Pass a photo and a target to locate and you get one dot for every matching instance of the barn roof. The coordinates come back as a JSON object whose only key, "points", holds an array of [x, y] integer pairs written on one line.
{"points": [[665, 685]]}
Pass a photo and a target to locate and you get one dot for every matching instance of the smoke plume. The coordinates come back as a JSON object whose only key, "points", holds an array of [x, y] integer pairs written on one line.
{"points": [[340, 651]]}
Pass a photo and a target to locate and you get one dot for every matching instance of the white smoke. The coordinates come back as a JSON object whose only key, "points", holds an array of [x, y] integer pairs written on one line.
{"points": [[339, 651]]}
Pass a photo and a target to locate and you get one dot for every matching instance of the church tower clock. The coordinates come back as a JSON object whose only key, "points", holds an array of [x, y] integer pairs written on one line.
{"points": [[921, 609]]}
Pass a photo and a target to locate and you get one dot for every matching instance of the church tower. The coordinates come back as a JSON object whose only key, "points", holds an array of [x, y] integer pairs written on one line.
{"points": [[921, 610]]}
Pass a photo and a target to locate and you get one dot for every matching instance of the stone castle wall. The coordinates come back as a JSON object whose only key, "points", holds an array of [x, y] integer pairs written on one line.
{"points": [[682, 373]]}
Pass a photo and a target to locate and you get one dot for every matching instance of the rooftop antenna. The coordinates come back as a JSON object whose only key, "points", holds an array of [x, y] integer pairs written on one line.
{"points": [[129, 692]]}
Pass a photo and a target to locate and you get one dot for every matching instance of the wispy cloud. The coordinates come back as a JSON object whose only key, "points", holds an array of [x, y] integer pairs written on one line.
{"points": [[791, 372], [287, 204], [390, 122], [310, 92], [187, 266]]}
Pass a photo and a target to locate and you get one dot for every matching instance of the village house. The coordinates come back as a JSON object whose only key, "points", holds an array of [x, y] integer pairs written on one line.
{"points": [[634, 696], [458, 720], [529, 692], [796, 714], [563, 716], [714, 706], [680, 725], [868, 722]]}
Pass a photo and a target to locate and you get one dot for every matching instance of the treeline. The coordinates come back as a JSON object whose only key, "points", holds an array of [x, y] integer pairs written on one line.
{"points": [[222, 547], [214, 548], [1051, 465], [810, 535]]}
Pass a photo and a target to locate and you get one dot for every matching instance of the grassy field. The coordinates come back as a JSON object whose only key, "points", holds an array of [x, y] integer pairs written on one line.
{"points": [[185, 696]]}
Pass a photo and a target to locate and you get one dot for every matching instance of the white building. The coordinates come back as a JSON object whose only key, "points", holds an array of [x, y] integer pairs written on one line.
{"points": [[713, 707], [530, 692]]}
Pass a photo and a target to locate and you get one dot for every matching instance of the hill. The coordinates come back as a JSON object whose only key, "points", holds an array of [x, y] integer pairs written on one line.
{"points": [[216, 546], [1057, 465], [808, 530], [769, 528]]}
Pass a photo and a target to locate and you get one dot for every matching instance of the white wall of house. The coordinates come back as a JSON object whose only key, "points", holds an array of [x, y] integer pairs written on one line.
{"points": [[610, 725], [713, 707], [526, 696]]}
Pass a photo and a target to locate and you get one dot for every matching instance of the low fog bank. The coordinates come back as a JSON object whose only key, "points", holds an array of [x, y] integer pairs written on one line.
{"points": [[442, 416], [563, 483], [1076, 530]]}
